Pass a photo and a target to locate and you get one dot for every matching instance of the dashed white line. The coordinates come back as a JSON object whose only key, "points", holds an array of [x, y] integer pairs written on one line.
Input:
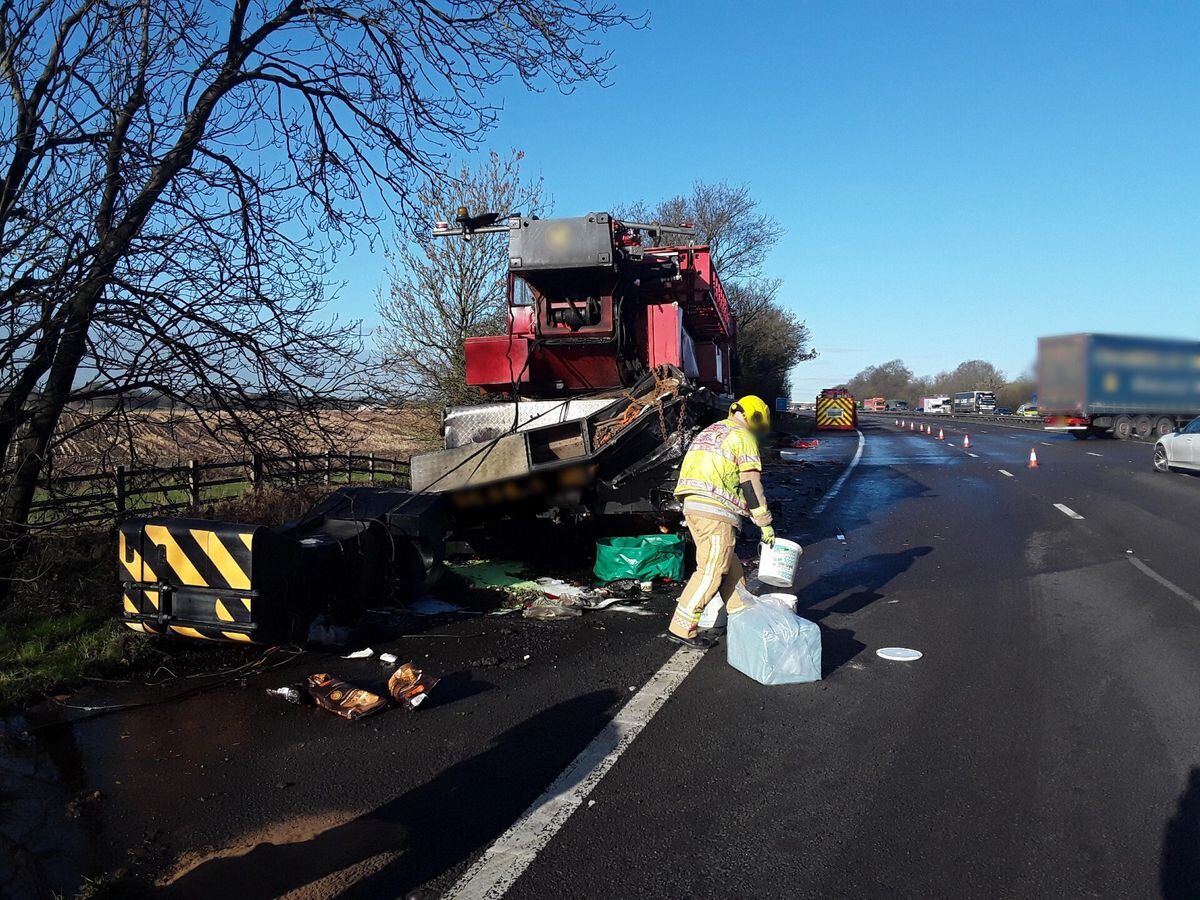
{"points": [[1067, 511], [1045, 443], [976, 455], [1169, 585], [1090, 453], [1006, 472]]}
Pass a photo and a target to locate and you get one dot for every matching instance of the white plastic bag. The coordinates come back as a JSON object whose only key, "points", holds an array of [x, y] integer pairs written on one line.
{"points": [[772, 645]]}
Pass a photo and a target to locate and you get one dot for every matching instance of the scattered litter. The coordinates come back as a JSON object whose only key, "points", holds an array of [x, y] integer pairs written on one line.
{"points": [[591, 803], [409, 686], [899, 654], [343, 699], [576, 595], [646, 586], [360, 654], [488, 662], [501, 576], [505, 610], [807, 445], [432, 606], [290, 694], [840, 536], [389, 659], [546, 608], [322, 631], [603, 603], [632, 608], [773, 646]]}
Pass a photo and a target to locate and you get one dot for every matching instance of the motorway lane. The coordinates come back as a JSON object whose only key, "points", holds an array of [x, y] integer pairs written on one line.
{"points": [[1045, 746], [1113, 485]]}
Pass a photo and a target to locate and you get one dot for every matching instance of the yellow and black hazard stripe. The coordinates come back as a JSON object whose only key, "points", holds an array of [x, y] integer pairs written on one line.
{"points": [[835, 413], [196, 557]]}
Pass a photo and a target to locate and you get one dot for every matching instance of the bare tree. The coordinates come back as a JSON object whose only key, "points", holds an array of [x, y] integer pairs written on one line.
{"points": [[177, 176], [441, 292], [771, 339]]}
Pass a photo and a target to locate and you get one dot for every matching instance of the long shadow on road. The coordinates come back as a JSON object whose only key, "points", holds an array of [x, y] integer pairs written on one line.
{"points": [[431, 828], [1179, 866]]}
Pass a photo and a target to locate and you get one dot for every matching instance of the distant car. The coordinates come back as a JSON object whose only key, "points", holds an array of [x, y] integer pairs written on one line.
{"points": [[1003, 411], [1180, 449], [1028, 410], [919, 409]]}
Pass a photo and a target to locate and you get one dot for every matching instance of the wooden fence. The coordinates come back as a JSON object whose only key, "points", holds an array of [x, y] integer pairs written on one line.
{"points": [[142, 490]]}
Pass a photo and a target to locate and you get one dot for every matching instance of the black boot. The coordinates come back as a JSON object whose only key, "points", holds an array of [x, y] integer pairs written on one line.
{"points": [[699, 642]]}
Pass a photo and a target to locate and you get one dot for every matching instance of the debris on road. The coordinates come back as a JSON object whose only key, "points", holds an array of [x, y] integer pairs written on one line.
{"points": [[432, 606], [290, 694], [343, 699], [389, 659], [365, 653], [574, 594], [409, 686], [547, 608], [899, 654], [324, 633], [772, 645], [508, 577]]}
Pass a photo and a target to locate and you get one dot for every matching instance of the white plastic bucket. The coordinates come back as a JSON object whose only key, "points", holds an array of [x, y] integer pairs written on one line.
{"points": [[714, 615], [777, 563], [787, 601]]}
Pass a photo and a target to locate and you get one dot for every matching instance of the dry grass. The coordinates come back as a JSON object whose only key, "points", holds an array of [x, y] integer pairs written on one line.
{"points": [[164, 438]]}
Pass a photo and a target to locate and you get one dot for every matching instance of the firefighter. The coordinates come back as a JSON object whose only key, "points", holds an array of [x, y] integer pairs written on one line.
{"points": [[720, 482]]}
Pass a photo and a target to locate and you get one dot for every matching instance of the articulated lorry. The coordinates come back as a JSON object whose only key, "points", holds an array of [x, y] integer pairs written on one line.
{"points": [[1131, 388]]}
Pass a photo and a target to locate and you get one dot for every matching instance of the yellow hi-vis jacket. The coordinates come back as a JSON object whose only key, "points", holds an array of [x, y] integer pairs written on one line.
{"points": [[711, 474]]}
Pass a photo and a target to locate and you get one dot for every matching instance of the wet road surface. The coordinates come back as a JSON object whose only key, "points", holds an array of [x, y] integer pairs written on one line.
{"points": [[1047, 744]]}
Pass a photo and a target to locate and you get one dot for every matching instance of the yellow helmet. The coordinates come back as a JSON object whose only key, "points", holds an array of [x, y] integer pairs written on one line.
{"points": [[757, 413]]}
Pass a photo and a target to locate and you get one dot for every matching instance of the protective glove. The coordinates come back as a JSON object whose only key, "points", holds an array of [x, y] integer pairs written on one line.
{"points": [[761, 516], [768, 535]]}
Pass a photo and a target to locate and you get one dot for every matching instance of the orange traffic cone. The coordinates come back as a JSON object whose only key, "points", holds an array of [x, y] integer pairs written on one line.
{"points": [[895, 422], [1033, 463], [941, 435], [910, 427], [966, 442]]}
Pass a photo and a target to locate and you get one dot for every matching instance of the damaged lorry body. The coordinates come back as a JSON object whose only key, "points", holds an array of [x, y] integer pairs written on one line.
{"points": [[616, 352]]}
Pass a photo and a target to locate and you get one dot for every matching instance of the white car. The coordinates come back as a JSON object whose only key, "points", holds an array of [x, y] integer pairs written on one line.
{"points": [[1180, 449]]}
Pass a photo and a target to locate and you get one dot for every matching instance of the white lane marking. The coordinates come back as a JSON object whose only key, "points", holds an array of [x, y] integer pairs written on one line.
{"points": [[1169, 585], [976, 455], [837, 485], [1006, 472], [512, 853], [1045, 443], [1067, 511], [1090, 453]]}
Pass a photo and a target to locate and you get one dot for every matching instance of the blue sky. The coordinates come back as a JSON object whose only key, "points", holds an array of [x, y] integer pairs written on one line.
{"points": [[955, 178]]}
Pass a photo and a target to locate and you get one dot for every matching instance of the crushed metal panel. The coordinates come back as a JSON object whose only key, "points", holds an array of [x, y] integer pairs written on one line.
{"points": [[464, 425], [473, 464]]}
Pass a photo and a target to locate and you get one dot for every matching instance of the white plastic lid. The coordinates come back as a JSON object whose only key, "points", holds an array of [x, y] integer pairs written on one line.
{"points": [[899, 654]]}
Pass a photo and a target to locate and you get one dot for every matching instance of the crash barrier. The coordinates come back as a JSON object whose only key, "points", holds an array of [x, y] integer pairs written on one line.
{"points": [[777, 562], [772, 645], [643, 558], [64, 500]]}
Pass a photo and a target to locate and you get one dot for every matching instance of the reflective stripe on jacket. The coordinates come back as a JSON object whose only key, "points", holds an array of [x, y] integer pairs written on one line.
{"points": [[713, 466]]}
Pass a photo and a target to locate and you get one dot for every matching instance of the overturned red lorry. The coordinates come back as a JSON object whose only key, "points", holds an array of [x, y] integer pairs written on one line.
{"points": [[619, 347]]}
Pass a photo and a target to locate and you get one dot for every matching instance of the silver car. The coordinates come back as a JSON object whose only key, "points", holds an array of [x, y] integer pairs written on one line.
{"points": [[1180, 449]]}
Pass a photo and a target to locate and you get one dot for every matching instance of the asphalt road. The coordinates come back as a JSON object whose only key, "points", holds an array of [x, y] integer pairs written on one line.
{"points": [[1046, 745]]}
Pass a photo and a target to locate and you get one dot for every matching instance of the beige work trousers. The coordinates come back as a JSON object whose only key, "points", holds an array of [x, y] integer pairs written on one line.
{"points": [[718, 570]]}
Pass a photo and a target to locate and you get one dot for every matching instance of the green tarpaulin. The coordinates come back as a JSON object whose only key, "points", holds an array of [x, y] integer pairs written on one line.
{"points": [[645, 557]]}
